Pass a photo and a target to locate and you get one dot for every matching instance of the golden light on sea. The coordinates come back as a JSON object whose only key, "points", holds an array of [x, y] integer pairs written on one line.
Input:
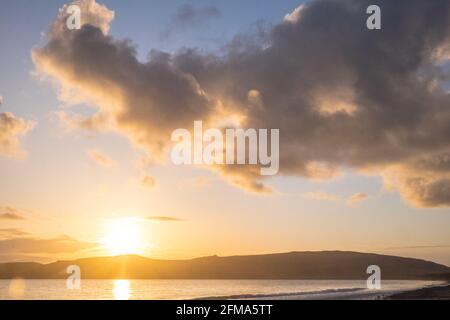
{"points": [[121, 290], [17, 288]]}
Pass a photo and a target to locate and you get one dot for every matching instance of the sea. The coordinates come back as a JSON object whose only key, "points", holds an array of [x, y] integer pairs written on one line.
{"points": [[202, 289]]}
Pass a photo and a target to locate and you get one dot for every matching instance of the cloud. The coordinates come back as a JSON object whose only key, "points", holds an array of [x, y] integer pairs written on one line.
{"points": [[325, 196], [8, 258], [24, 245], [92, 13], [100, 158], [10, 216], [137, 99], [295, 15], [12, 233], [12, 128], [342, 96], [72, 122], [9, 213], [163, 219], [424, 184], [357, 197], [148, 182], [322, 196], [419, 247], [188, 14]]}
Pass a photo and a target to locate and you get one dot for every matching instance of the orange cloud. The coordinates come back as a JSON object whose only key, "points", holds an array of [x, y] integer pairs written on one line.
{"points": [[322, 196], [9, 213], [357, 197], [148, 182], [100, 158], [23, 245], [12, 129], [7, 233]]}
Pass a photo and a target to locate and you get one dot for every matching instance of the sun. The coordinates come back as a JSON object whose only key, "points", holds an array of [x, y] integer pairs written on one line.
{"points": [[123, 236]]}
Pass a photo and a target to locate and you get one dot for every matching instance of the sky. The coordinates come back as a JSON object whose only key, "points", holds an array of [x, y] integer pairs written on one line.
{"points": [[86, 117]]}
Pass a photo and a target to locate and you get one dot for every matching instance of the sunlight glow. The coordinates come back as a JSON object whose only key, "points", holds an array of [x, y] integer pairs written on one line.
{"points": [[123, 236], [121, 290]]}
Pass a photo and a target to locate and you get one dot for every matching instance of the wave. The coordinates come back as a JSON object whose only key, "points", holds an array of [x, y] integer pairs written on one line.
{"points": [[285, 294]]}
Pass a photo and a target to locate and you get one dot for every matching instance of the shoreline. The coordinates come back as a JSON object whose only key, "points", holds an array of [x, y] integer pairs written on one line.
{"points": [[438, 292], [431, 292], [394, 290]]}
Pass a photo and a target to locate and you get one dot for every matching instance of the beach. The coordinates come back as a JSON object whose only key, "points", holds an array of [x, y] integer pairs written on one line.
{"points": [[132, 289], [430, 293]]}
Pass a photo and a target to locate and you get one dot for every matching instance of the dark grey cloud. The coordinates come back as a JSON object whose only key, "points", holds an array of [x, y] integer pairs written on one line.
{"points": [[187, 13], [189, 16], [342, 96]]}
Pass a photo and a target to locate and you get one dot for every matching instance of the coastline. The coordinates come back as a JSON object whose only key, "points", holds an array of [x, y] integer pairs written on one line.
{"points": [[438, 292], [222, 290]]}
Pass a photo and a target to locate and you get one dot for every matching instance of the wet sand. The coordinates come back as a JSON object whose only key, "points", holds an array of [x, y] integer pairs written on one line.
{"points": [[431, 293]]}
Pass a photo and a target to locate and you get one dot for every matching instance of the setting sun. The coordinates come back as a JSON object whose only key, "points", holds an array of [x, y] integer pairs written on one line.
{"points": [[123, 236], [224, 150]]}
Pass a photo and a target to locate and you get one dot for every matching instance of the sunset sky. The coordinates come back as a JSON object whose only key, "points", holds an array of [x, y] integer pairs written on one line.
{"points": [[86, 117]]}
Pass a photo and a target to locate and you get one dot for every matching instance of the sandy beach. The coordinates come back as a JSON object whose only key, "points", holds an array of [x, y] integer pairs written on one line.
{"points": [[431, 293]]}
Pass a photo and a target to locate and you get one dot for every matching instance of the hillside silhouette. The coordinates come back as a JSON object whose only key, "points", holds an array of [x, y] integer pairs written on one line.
{"points": [[337, 265]]}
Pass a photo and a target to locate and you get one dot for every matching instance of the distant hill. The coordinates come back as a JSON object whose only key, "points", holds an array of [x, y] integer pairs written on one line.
{"points": [[336, 265]]}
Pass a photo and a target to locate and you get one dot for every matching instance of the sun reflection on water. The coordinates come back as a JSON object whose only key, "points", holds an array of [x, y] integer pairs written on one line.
{"points": [[121, 290], [17, 288]]}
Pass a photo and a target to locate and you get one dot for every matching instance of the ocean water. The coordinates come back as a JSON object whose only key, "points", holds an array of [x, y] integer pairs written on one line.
{"points": [[201, 289]]}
